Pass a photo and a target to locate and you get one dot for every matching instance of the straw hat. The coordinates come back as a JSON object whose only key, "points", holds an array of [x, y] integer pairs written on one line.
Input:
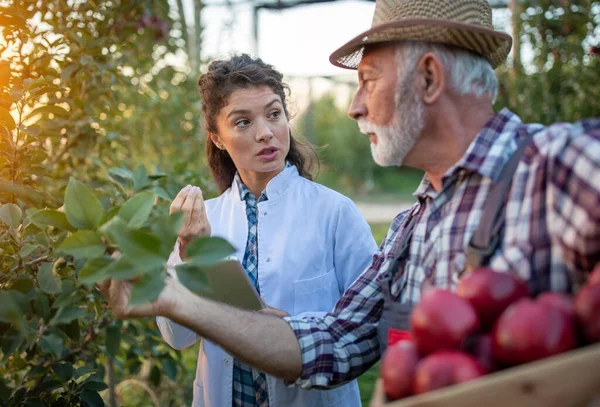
{"points": [[463, 23]]}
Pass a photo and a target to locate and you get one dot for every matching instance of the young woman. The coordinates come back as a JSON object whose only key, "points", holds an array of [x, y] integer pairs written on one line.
{"points": [[302, 244]]}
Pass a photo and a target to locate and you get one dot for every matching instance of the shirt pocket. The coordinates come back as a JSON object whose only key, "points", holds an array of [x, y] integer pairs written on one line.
{"points": [[316, 293]]}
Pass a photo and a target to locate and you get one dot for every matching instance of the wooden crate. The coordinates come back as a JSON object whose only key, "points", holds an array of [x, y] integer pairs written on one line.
{"points": [[568, 380]]}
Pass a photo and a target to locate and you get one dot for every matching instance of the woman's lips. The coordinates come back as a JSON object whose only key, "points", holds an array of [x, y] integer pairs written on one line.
{"points": [[268, 155]]}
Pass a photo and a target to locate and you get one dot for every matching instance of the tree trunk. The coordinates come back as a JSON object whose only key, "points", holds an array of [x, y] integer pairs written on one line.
{"points": [[515, 9]]}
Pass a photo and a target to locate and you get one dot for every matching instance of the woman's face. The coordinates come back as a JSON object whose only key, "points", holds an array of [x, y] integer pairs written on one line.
{"points": [[254, 130]]}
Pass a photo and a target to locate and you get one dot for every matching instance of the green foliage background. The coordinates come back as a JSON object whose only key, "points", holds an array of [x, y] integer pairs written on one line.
{"points": [[98, 133]]}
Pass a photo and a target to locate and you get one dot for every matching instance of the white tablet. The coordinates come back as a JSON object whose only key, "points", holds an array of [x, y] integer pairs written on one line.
{"points": [[229, 283]]}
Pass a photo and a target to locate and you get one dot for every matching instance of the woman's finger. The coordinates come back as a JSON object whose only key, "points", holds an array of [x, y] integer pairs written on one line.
{"points": [[188, 205], [180, 199]]}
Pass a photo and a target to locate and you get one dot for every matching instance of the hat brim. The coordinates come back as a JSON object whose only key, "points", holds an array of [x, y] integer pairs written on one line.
{"points": [[493, 45]]}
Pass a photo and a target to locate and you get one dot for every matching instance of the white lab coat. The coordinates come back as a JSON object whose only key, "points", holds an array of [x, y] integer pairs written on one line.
{"points": [[312, 244]]}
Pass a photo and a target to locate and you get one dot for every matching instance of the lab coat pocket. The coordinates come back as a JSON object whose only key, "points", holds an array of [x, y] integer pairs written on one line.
{"points": [[316, 294]]}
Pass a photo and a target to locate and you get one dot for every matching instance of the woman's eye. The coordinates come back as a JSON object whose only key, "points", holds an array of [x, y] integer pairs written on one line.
{"points": [[275, 114], [242, 123]]}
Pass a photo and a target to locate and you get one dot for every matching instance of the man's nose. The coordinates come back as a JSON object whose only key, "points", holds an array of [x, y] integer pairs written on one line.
{"points": [[357, 108]]}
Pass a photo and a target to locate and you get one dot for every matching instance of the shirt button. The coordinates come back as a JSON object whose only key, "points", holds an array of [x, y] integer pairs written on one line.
{"points": [[268, 259], [226, 361], [265, 213], [460, 262]]}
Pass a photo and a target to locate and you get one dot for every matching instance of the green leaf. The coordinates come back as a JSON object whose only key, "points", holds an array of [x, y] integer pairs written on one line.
{"points": [[83, 370], [170, 368], [209, 250], [49, 282], [35, 403], [52, 344], [91, 398], [72, 330], [28, 249], [148, 288], [113, 340], [137, 209], [11, 215], [141, 248], [161, 193], [12, 309], [23, 284], [155, 376], [68, 71], [67, 314], [82, 207], [114, 228], [95, 270], [4, 390], [12, 341], [34, 130], [63, 370], [122, 176], [6, 119], [140, 178], [83, 243], [166, 228], [122, 269], [158, 175], [94, 384], [111, 213], [49, 217], [55, 110], [193, 276]]}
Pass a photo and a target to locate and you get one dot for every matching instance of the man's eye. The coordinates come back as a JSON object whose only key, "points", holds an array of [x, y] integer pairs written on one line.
{"points": [[242, 123]]}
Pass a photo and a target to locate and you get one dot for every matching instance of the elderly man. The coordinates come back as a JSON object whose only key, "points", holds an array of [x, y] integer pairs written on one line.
{"points": [[521, 198]]}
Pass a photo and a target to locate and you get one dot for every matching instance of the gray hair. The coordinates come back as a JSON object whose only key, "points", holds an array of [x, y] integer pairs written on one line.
{"points": [[469, 73]]}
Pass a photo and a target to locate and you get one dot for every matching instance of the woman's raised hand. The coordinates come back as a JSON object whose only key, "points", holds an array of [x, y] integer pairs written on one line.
{"points": [[195, 223]]}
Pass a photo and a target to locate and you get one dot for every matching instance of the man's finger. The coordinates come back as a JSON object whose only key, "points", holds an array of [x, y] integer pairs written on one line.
{"points": [[103, 286], [180, 199]]}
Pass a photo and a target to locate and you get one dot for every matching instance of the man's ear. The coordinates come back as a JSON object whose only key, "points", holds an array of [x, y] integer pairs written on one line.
{"points": [[432, 78]]}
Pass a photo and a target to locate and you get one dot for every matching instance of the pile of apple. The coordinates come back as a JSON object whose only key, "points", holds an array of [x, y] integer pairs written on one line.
{"points": [[489, 324]]}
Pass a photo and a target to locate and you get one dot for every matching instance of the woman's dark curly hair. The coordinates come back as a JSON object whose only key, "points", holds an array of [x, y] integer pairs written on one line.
{"points": [[216, 86]]}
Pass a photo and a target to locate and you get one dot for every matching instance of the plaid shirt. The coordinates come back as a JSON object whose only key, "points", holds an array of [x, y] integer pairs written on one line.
{"points": [[249, 385], [551, 237]]}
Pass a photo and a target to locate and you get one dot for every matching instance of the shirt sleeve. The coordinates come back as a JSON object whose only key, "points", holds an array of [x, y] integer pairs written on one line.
{"points": [[179, 337], [343, 344], [573, 193]]}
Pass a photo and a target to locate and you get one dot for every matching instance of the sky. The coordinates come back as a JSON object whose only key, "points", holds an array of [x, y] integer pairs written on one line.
{"points": [[297, 41]]}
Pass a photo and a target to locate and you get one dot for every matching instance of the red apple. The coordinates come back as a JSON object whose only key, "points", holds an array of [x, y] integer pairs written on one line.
{"points": [[562, 302], [587, 307], [442, 321], [490, 293], [594, 276], [445, 368], [529, 331], [398, 369], [480, 346]]}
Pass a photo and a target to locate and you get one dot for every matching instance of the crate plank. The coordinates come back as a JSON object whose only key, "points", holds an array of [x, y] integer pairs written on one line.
{"points": [[568, 380]]}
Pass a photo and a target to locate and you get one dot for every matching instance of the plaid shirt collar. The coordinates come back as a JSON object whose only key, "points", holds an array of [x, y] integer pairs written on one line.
{"points": [[486, 155], [277, 185]]}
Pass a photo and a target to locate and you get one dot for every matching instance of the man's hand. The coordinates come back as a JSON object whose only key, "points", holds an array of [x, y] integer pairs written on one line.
{"points": [[195, 223], [118, 293], [276, 312]]}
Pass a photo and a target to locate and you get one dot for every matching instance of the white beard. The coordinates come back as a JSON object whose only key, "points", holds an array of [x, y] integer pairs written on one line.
{"points": [[395, 141]]}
